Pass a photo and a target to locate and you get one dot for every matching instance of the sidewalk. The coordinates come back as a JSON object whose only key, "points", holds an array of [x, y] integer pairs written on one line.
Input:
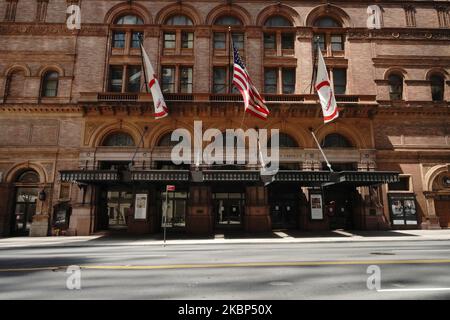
{"points": [[280, 237]]}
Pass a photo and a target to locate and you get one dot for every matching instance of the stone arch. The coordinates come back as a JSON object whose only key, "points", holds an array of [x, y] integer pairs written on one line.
{"points": [[351, 134], [178, 8], [98, 136], [131, 8], [229, 9], [331, 11], [431, 175], [395, 70], [17, 169], [436, 71], [16, 67], [279, 10], [51, 67], [158, 131], [299, 134]]}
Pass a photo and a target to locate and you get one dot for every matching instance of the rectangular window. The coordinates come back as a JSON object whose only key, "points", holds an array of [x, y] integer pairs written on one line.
{"points": [[270, 80], [134, 79], [115, 78], [238, 40], [168, 79], [219, 40], [287, 41], [337, 44], [119, 40], [288, 81], [340, 80], [169, 40], [186, 79], [135, 42], [219, 80], [321, 41], [187, 40], [270, 41]]}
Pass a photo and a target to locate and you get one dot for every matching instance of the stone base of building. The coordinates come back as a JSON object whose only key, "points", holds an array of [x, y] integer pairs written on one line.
{"points": [[39, 226]]}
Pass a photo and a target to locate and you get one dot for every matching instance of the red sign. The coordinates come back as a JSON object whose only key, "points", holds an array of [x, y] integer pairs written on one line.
{"points": [[170, 188]]}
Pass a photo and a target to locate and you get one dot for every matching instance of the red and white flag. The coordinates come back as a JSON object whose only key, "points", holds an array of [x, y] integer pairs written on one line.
{"points": [[161, 109], [325, 91], [254, 103]]}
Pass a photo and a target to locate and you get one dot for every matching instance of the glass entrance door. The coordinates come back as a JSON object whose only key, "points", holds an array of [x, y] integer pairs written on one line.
{"points": [[284, 214], [228, 208], [118, 206], [25, 209]]}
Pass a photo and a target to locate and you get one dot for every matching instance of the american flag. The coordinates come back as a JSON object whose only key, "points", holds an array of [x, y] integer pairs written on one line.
{"points": [[254, 103]]}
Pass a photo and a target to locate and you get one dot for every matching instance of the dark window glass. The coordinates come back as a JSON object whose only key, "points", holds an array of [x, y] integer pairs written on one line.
{"points": [[326, 22], [228, 21], [135, 42], [437, 88], [119, 40], [50, 84], [278, 21], [335, 140], [115, 78], [134, 79], [186, 79], [270, 41], [320, 38], [270, 81], [187, 40], [287, 41], [402, 185], [169, 40], [168, 80], [129, 19], [166, 141], [340, 81], [288, 81], [395, 87], [285, 141], [219, 40], [28, 176], [118, 139], [337, 44], [179, 20], [238, 41], [219, 80]]}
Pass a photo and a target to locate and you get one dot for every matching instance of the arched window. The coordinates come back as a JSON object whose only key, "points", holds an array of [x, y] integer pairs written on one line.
{"points": [[166, 141], [335, 140], [277, 21], [179, 20], [327, 22], [437, 87], [118, 139], [50, 84], [129, 19], [228, 21], [15, 84], [284, 141], [28, 176], [395, 87]]}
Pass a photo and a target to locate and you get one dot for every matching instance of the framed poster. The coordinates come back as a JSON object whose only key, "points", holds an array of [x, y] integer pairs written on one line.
{"points": [[316, 204], [403, 209], [140, 206]]}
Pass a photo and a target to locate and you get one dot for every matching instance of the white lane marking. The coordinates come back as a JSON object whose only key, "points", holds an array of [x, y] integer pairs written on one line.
{"points": [[413, 289]]}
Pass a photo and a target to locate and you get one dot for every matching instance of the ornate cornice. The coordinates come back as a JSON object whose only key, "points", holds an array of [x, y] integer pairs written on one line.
{"points": [[53, 29], [398, 34]]}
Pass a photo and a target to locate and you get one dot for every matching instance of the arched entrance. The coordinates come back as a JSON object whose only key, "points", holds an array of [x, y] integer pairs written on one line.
{"points": [[26, 190], [441, 189]]}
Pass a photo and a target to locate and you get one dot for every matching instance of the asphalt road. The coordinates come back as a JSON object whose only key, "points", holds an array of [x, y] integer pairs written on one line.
{"points": [[408, 270]]}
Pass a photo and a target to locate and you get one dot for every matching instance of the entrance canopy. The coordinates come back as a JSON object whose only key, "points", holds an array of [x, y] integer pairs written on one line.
{"points": [[306, 178]]}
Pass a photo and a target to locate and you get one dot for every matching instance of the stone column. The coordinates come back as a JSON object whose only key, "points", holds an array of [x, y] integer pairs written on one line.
{"points": [[257, 210], [40, 224], [432, 220], [6, 194], [199, 216]]}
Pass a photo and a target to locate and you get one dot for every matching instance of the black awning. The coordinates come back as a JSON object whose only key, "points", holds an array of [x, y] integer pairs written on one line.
{"points": [[306, 178]]}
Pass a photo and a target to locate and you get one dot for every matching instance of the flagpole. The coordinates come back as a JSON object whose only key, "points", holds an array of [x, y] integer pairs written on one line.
{"points": [[321, 150], [141, 44], [314, 71], [230, 49]]}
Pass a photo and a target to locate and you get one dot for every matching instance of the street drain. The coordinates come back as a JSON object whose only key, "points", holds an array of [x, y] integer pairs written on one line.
{"points": [[280, 283], [383, 253]]}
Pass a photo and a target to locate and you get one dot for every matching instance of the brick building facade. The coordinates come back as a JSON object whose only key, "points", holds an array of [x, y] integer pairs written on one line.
{"points": [[78, 141]]}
